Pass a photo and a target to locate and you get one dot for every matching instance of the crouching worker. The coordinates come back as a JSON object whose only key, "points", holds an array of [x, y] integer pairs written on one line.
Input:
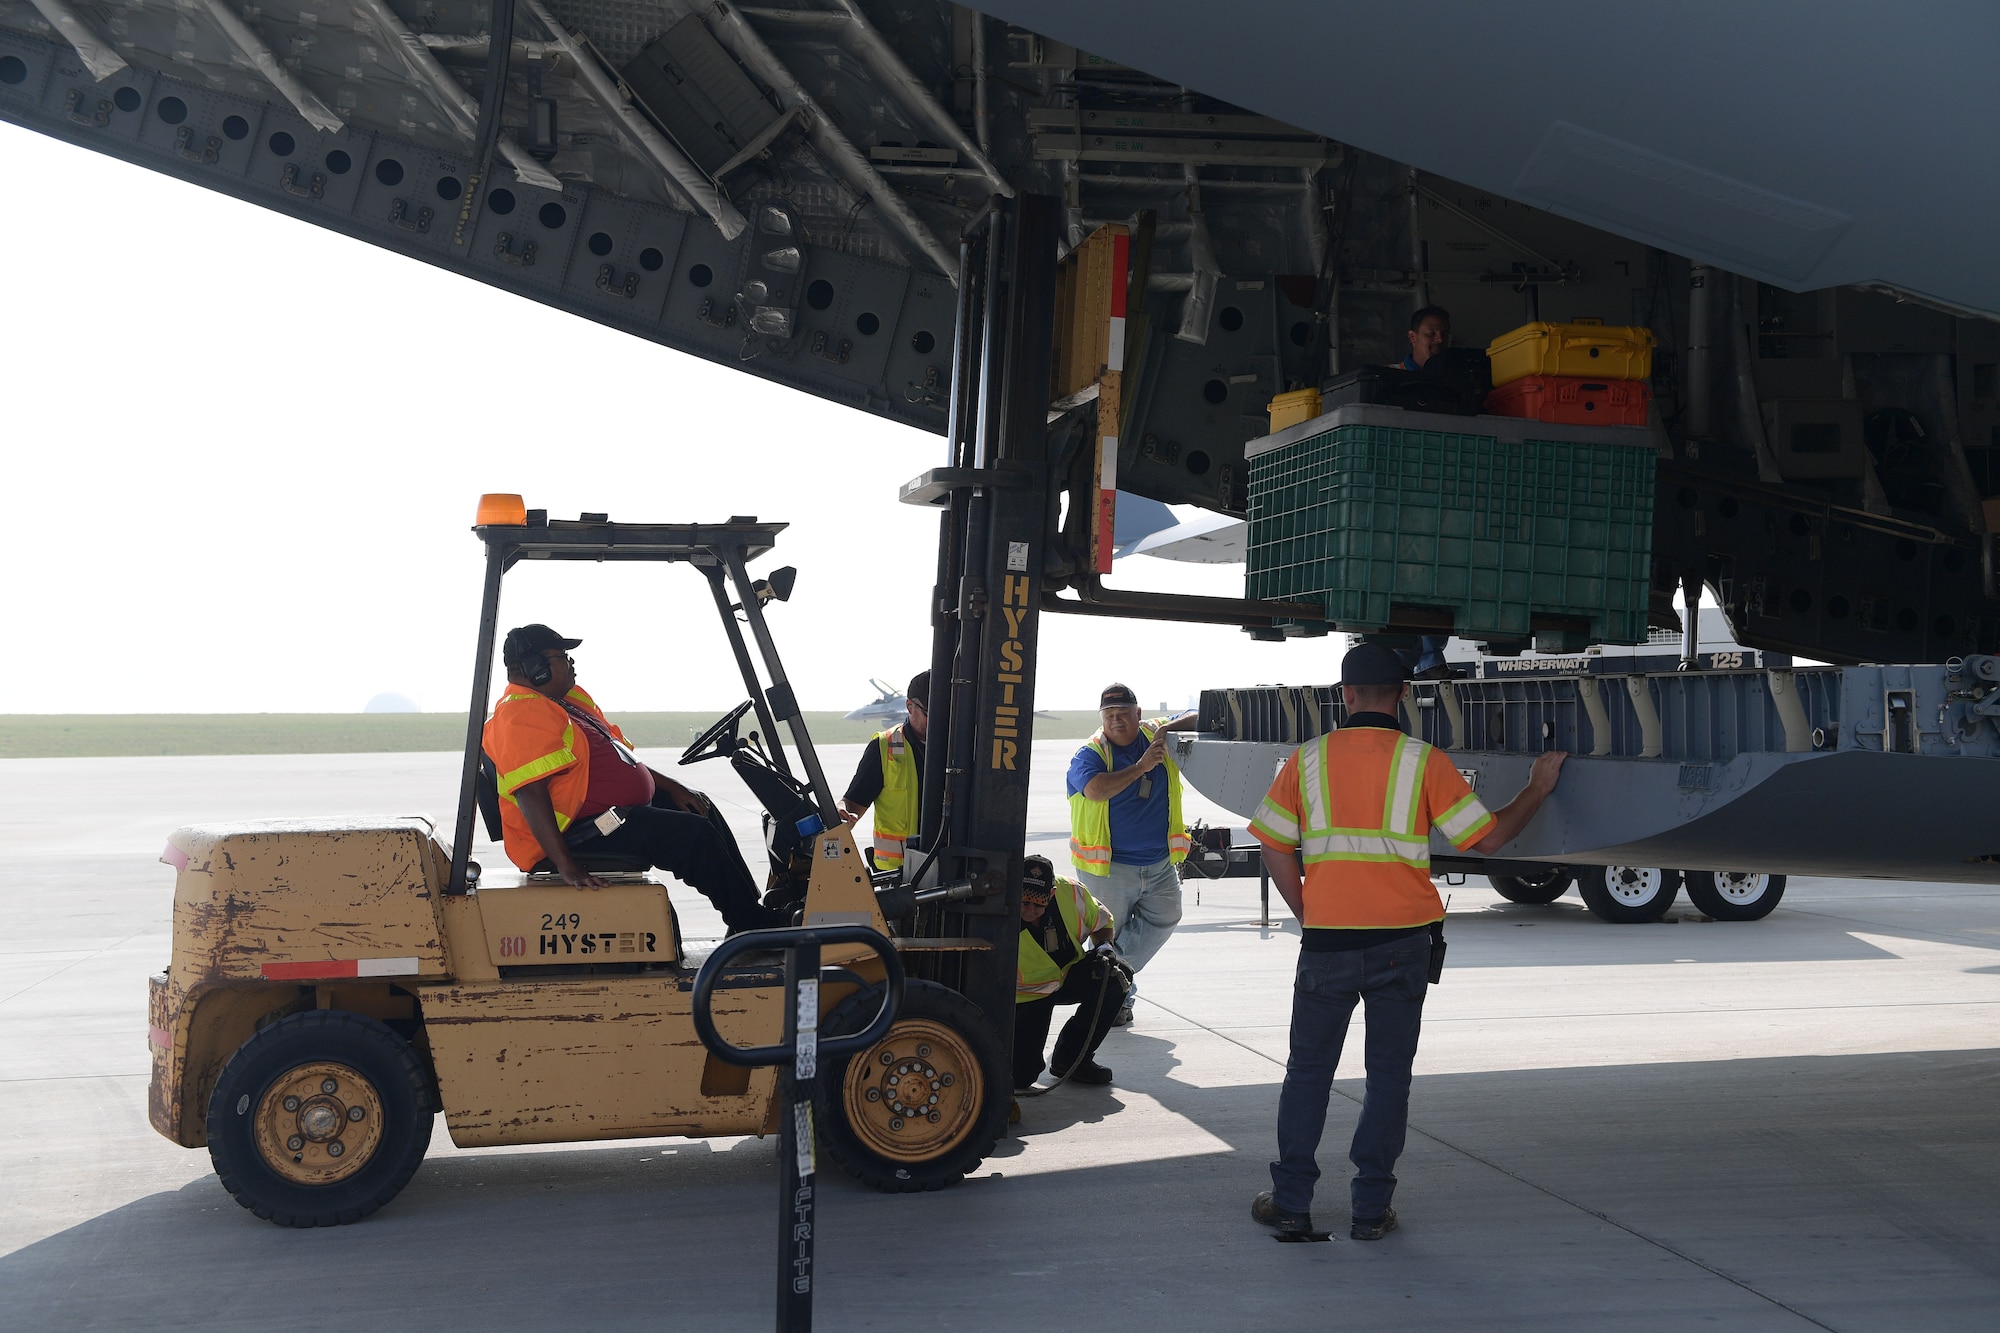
{"points": [[569, 782], [1065, 959]]}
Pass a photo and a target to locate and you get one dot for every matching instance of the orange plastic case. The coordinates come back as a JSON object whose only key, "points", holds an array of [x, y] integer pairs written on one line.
{"points": [[1571, 400], [1583, 349]]}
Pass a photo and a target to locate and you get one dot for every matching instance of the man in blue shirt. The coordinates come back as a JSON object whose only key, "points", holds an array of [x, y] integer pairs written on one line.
{"points": [[1126, 832], [1430, 332]]}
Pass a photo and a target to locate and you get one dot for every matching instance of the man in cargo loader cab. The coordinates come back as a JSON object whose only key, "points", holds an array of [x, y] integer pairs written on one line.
{"points": [[569, 783], [1430, 332]]}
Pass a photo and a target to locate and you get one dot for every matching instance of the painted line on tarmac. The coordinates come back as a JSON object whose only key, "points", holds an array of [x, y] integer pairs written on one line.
{"points": [[1717, 1010], [1585, 1209], [79, 962]]}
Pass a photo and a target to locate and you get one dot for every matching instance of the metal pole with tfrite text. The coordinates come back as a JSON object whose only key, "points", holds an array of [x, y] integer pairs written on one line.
{"points": [[797, 1059], [795, 1138]]}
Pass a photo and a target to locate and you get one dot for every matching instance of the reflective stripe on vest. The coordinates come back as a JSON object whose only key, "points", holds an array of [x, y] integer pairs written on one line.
{"points": [[1364, 831], [1397, 839], [896, 805], [1035, 973], [1090, 821], [536, 769]]}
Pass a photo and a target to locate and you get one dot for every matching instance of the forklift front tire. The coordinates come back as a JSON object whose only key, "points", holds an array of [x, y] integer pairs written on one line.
{"points": [[924, 1105], [319, 1119]]}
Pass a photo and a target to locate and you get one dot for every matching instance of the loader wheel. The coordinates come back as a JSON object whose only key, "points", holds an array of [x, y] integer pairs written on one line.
{"points": [[924, 1105], [1543, 887], [319, 1119], [1628, 895], [1735, 895]]}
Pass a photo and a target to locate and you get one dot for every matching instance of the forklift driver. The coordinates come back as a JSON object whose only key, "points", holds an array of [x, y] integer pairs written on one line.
{"points": [[559, 797]]}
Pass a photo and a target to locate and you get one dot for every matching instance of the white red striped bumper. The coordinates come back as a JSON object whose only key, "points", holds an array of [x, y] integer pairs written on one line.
{"points": [[335, 969]]}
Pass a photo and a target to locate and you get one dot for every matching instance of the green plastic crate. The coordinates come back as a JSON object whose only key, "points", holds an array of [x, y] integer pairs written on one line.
{"points": [[1371, 506]]}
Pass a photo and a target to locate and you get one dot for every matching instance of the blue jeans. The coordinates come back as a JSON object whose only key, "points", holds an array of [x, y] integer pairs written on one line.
{"points": [[1145, 904], [1430, 651], [1390, 979]]}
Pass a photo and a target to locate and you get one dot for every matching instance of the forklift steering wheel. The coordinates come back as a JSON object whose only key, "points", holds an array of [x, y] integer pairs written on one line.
{"points": [[719, 740]]}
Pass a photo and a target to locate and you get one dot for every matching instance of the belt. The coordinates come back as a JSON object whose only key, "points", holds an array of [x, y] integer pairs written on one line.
{"points": [[589, 830]]}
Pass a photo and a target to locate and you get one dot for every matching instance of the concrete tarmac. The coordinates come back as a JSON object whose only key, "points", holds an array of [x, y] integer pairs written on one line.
{"points": [[1787, 1124]]}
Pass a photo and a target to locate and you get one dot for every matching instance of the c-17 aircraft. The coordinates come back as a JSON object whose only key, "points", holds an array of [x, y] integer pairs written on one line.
{"points": [[892, 206]]}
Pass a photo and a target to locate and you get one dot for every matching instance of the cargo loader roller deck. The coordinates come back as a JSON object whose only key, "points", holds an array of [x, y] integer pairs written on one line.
{"points": [[1888, 772]]}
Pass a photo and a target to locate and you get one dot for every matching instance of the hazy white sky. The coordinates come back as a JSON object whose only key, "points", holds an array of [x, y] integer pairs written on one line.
{"points": [[243, 453]]}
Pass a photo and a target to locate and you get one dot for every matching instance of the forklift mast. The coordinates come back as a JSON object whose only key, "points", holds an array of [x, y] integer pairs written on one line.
{"points": [[985, 608]]}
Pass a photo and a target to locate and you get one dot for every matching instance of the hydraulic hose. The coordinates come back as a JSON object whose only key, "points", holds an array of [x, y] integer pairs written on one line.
{"points": [[1097, 1011]]}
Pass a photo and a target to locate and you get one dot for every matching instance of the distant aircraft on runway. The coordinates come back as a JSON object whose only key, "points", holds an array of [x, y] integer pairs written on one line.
{"points": [[887, 709], [890, 707]]}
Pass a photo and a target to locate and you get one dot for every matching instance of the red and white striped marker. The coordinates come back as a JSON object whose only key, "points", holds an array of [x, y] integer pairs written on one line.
{"points": [[334, 969], [1121, 258], [1107, 430]]}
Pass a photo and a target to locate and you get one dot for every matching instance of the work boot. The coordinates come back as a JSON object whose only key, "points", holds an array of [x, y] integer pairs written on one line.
{"points": [[1092, 1073], [1373, 1228], [1264, 1209]]}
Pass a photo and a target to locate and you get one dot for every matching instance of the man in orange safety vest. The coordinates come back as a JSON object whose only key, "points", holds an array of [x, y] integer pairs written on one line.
{"points": [[569, 785], [1357, 806]]}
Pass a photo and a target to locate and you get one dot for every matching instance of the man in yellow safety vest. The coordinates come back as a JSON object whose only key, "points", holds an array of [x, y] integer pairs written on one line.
{"points": [[1065, 958], [1126, 834], [890, 777], [1359, 804]]}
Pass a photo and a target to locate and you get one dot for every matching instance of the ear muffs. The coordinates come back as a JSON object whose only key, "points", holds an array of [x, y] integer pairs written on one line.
{"points": [[532, 666]]}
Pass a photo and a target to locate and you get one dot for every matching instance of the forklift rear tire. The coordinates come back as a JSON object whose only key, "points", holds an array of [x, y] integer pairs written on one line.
{"points": [[924, 1105], [1628, 895], [1734, 895], [319, 1119], [1543, 887]]}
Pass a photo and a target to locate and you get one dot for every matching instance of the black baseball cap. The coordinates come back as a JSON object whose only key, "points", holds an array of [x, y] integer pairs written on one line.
{"points": [[919, 691], [530, 641], [1372, 664], [1037, 875], [1117, 696]]}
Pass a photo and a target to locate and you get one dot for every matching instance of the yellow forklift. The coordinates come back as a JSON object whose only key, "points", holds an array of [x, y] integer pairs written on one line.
{"points": [[334, 984]]}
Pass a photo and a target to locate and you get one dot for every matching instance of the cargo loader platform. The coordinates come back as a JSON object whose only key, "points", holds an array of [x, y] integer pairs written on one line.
{"points": [[1888, 772]]}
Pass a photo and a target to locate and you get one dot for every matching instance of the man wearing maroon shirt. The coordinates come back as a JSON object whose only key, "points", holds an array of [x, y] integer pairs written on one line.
{"points": [[569, 782]]}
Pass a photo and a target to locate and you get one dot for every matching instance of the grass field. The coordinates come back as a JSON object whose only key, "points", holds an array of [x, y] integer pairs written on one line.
{"points": [[76, 735]]}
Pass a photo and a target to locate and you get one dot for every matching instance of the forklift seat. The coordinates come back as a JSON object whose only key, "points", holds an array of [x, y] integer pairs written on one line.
{"points": [[486, 793]]}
